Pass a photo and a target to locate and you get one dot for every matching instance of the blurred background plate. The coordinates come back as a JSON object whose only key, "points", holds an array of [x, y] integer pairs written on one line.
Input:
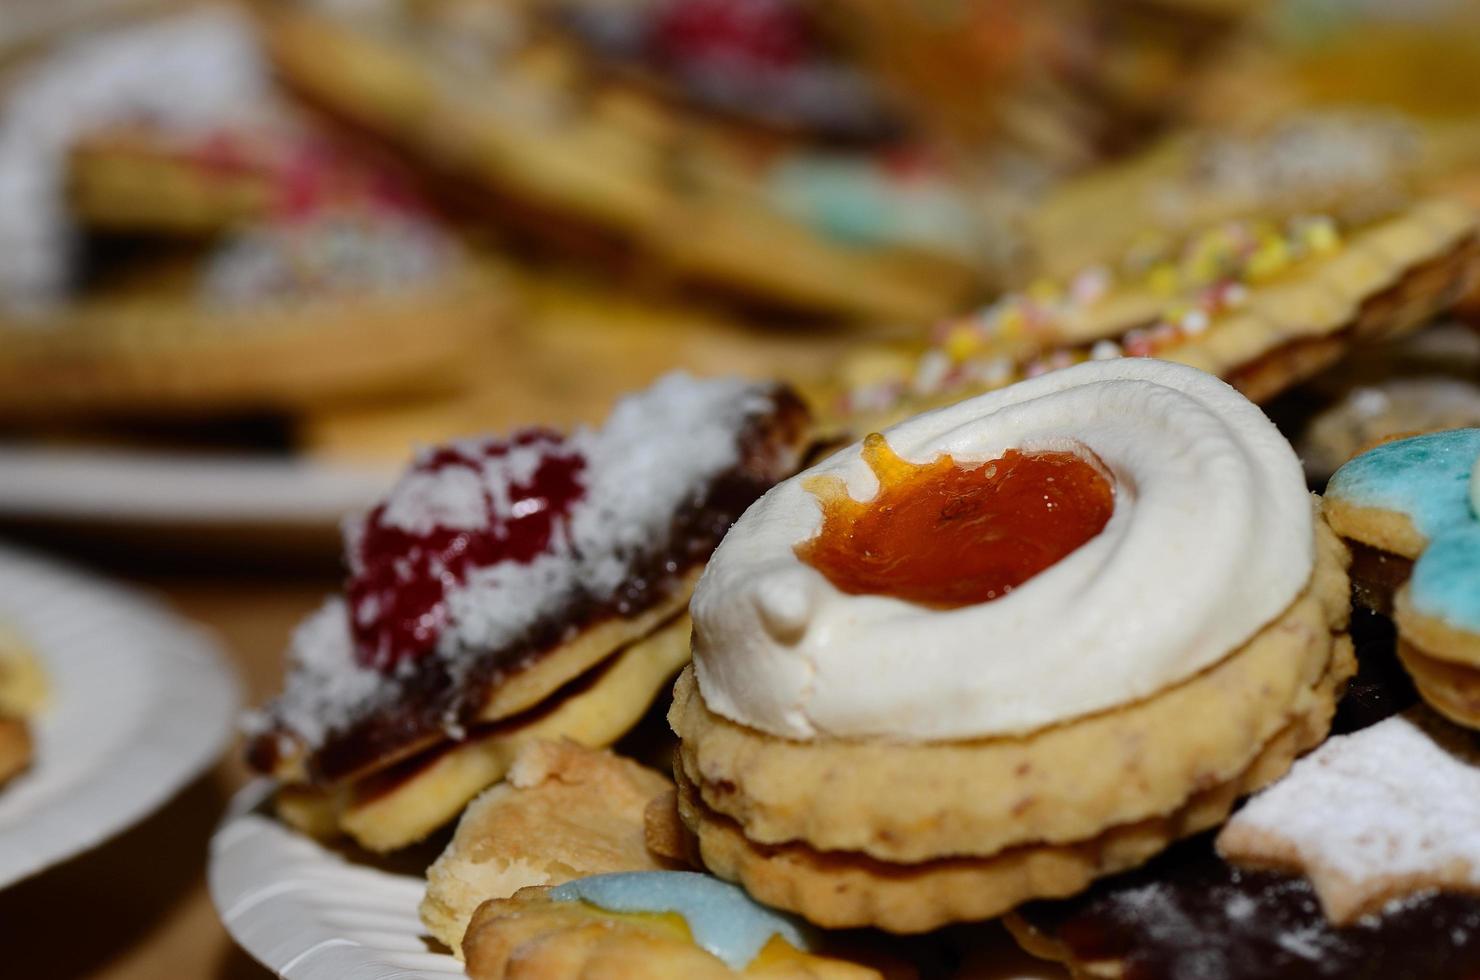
{"points": [[140, 702], [150, 487]]}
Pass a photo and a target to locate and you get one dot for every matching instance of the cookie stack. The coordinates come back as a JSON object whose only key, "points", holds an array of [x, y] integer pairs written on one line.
{"points": [[508, 590], [1109, 611]]}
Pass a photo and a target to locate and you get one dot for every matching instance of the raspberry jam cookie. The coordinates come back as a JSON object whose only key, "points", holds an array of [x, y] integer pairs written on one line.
{"points": [[865, 739], [509, 590], [678, 924], [1412, 508]]}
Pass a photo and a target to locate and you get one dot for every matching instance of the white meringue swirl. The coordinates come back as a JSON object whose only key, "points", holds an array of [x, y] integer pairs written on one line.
{"points": [[1210, 539]]}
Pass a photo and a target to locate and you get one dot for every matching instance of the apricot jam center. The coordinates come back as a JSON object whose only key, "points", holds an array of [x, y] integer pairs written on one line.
{"points": [[945, 535]]}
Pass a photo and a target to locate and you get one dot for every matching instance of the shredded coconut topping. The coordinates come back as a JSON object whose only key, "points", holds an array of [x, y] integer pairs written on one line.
{"points": [[656, 454], [1384, 812]]}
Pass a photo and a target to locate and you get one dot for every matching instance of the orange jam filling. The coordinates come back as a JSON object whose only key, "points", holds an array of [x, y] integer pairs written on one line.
{"points": [[944, 535]]}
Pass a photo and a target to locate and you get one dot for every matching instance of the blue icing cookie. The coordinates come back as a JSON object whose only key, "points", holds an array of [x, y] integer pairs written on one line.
{"points": [[722, 919], [1429, 478]]}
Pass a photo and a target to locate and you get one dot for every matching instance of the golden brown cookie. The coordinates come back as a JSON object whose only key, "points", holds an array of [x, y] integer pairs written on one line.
{"points": [[565, 151], [1261, 304], [394, 807], [839, 889], [562, 812], [531, 937], [158, 349], [15, 747]]}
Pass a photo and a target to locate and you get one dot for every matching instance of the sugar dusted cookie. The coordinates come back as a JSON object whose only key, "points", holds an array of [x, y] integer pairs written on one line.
{"points": [[514, 590], [1413, 508], [562, 812], [863, 740], [678, 924], [1191, 913], [1387, 812]]}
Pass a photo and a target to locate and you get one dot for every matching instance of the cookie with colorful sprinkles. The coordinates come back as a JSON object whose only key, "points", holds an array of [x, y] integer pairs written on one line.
{"points": [[1411, 507], [1261, 303]]}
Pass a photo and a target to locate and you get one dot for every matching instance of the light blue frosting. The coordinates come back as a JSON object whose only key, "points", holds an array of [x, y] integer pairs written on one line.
{"points": [[722, 919], [852, 201], [1428, 479]]}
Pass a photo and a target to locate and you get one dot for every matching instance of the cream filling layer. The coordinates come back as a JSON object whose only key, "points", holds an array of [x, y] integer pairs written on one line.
{"points": [[1210, 539]]}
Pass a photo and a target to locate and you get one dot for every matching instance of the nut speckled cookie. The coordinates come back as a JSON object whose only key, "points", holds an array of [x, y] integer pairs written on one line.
{"points": [[862, 740], [1414, 507]]}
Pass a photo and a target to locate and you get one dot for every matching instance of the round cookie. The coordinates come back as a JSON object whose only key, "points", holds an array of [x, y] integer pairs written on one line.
{"points": [[1412, 505], [862, 741], [677, 924]]}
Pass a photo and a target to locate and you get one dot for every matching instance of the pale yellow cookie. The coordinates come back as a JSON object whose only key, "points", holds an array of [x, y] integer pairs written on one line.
{"points": [[562, 812], [15, 747], [911, 802], [839, 889], [530, 937], [399, 806]]}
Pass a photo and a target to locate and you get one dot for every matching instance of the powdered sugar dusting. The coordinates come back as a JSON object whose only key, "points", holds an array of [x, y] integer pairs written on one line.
{"points": [[659, 452], [1385, 811]]}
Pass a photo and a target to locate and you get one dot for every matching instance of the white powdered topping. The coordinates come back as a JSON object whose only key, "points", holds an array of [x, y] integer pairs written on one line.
{"points": [[186, 71], [656, 454], [326, 688], [1386, 811]]}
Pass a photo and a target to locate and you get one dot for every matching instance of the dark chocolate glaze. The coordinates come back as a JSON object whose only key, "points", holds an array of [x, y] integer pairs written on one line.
{"points": [[430, 701], [1189, 914]]}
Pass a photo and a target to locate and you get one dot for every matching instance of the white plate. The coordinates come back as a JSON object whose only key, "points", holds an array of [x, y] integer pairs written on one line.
{"points": [[140, 703], [134, 487], [309, 913]]}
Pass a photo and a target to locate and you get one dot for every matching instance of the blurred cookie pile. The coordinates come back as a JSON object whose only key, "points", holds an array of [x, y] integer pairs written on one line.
{"points": [[862, 514]]}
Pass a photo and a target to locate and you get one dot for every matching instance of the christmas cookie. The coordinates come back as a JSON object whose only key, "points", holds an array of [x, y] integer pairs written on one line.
{"points": [[678, 924], [509, 590], [1261, 303], [862, 740], [1412, 508], [563, 812], [1359, 805], [22, 696], [555, 142]]}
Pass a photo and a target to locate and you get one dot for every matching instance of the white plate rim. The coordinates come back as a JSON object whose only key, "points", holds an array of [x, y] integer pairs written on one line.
{"points": [[149, 694], [307, 913]]}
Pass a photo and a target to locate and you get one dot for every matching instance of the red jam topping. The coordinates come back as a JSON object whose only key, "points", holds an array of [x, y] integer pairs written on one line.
{"points": [[400, 579], [731, 34], [945, 535]]}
